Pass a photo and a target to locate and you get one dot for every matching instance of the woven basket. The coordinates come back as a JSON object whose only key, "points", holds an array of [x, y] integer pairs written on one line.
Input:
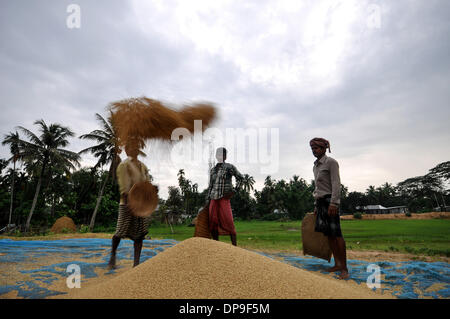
{"points": [[314, 243], [143, 199], [202, 224]]}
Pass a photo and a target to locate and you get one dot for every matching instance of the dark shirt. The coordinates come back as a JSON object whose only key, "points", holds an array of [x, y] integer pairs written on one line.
{"points": [[220, 180]]}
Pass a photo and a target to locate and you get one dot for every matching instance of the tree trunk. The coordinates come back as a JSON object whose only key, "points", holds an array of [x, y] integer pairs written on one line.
{"points": [[36, 194], [99, 199], [52, 210], [12, 194], [436, 200]]}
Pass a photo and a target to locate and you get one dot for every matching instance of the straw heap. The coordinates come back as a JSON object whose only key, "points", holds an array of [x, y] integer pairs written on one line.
{"points": [[63, 224]]}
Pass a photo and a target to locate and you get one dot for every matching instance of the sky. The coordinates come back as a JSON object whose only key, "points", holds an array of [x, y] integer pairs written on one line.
{"points": [[370, 76]]}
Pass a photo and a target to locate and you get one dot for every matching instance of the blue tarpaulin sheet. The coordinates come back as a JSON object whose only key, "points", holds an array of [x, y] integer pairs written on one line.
{"points": [[408, 279]]}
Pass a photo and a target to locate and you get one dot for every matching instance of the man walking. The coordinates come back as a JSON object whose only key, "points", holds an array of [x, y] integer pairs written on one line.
{"points": [[327, 199]]}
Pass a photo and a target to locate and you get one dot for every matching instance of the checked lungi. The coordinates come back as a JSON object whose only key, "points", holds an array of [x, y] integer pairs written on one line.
{"points": [[328, 225], [130, 226]]}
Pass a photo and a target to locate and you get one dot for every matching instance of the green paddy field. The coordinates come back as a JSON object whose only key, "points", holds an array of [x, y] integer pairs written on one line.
{"points": [[425, 237]]}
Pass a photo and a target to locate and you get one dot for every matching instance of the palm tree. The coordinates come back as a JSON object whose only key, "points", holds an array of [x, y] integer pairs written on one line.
{"points": [[371, 194], [107, 152], [45, 152], [12, 139], [247, 183], [181, 180], [185, 186]]}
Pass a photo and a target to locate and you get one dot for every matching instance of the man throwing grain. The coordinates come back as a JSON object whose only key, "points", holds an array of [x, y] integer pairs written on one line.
{"points": [[327, 199], [220, 191], [129, 172]]}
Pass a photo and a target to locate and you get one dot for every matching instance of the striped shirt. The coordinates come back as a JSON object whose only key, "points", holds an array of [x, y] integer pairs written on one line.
{"points": [[220, 180]]}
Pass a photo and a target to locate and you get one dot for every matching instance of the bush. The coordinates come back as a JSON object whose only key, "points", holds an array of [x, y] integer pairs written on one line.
{"points": [[84, 229], [16, 232], [66, 230], [408, 214], [104, 229], [357, 216]]}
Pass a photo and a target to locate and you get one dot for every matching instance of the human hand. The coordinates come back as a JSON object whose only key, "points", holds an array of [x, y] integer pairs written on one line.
{"points": [[124, 197], [332, 210], [228, 195]]}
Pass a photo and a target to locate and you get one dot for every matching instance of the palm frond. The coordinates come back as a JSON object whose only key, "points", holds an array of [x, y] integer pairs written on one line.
{"points": [[95, 135], [33, 138], [106, 126], [106, 151]]}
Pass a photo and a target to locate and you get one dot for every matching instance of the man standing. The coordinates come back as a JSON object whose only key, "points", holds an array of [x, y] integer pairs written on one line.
{"points": [[327, 199], [220, 191]]}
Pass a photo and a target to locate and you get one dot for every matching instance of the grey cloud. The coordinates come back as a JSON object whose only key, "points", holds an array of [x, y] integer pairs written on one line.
{"points": [[392, 87]]}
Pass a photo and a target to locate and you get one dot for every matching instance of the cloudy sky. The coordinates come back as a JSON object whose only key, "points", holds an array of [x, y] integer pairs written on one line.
{"points": [[370, 76]]}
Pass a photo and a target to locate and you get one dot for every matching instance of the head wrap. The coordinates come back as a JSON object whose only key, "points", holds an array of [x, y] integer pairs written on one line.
{"points": [[321, 142]]}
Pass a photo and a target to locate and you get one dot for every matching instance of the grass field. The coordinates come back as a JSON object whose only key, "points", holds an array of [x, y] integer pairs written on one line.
{"points": [[425, 237]]}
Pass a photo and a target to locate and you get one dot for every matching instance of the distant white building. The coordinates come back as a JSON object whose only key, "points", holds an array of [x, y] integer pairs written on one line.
{"points": [[378, 209]]}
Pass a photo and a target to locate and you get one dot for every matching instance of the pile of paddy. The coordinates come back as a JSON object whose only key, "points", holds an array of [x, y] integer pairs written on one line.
{"points": [[204, 268]]}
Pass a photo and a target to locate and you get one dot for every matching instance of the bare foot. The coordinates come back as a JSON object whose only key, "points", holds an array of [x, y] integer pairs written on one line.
{"points": [[344, 274], [112, 262], [111, 266], [333, 269]]}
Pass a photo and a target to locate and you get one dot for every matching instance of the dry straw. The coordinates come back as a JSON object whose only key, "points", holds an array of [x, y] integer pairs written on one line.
{"points": [[137, 120], [63, 224], [144, 118]]}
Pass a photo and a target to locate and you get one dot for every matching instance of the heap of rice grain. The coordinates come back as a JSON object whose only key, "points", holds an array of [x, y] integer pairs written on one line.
{"points": [[204, 268]]}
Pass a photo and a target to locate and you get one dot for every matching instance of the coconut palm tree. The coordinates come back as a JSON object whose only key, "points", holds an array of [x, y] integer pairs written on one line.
{"points": [[107, 151], [12, 139], [183, 183], [371, 194], [247, 183], [41, 153], [185, 186]]}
